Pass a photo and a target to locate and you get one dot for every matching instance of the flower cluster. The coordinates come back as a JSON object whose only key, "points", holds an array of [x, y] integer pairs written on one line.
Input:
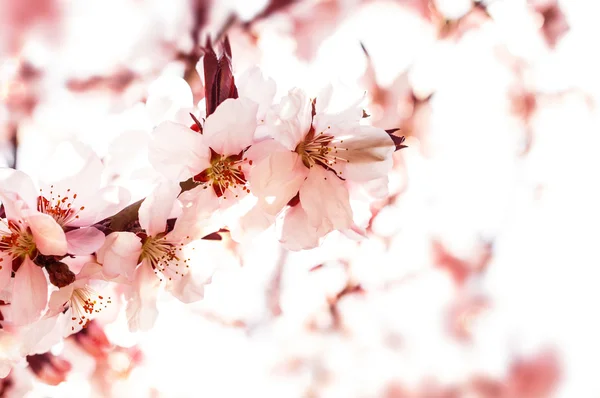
{"points": [[241, 162]]}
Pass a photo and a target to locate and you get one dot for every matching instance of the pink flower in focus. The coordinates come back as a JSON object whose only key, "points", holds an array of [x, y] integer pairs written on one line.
{"points": [[317, 156], [75, 201], [79, 301], [215, 158], [216, 154], [152, 257], [24, 234]]}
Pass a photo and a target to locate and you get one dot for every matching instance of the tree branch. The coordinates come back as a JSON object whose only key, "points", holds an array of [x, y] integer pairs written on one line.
{"points": [[123, 220]]}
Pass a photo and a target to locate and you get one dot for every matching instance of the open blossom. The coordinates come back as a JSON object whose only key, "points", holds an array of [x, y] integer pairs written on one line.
{"points": [[75, 201], [214, 158], [152, 257], [79, 301], [25, 234], [215, 153], [317, 156]]}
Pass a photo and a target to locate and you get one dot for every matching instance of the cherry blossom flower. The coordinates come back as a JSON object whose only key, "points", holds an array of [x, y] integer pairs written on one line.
{"points": [[152, 257], [76, 201], [24, 235], [79, 301], [319, 154]]}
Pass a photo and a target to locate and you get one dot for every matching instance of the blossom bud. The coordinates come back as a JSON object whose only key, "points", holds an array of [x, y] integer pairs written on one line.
{"points": [[60, 274]]}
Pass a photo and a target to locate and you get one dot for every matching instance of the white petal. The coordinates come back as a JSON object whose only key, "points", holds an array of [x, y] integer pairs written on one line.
{"points": [[230, 129], [49, 237], [157, 207], [177, 152], [119, 254], [253, 85], [166, 96], [72, 166], [325, 200], [84, 241], [341, 100], [369, 151]]}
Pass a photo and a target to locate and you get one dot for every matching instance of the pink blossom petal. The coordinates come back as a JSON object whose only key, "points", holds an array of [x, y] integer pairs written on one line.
{"points": [[16, 185], [40, 336], [5, 269], [277, 179], [295, 116], [296, 232], [157, 207], [260, 150], [325, 200], [119, 254], [141, 308], [89, 271], [251, 224], [84, 241], [30, 293], [199, 216], [58, 298], [369, 151], [49, 237], [230, 129], [177, 151], [190, 287]]}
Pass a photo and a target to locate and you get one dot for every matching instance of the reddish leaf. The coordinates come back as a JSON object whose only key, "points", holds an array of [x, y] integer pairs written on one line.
{"points": [[197, 126], [218, 76], [398, 140]]}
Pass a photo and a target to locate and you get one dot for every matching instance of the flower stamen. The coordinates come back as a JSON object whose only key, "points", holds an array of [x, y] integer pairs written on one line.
{"points": [[61, 208], [84, 303], [165, 257], [320, 150], [18, 241], [224, 173]]}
